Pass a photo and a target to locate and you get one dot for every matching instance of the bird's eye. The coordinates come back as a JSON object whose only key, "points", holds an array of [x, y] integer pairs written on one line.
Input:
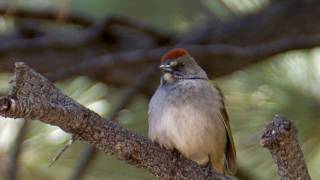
{"points": [[180, 64]]}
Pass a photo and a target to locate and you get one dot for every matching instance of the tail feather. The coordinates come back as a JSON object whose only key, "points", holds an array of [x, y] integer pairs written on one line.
{"points": [[230, 160]]}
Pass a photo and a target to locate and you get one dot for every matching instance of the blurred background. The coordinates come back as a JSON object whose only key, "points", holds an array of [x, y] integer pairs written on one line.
{"points": [[287, 82]]}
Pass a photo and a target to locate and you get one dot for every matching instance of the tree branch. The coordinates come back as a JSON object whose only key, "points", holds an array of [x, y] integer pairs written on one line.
{"points": [[99, 31], [286, 19], [34, 97], [12, 164], [111, 68], [46, 14], [85, 21], [212, 57], [90, 151], [281, 138], [295, 28]]}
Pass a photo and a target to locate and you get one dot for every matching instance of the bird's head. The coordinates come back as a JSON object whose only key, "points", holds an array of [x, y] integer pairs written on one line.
{"points": [[177, 64]]}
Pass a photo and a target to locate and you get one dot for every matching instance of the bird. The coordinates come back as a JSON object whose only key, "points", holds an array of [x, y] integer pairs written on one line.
{"points": [[187, 113]]}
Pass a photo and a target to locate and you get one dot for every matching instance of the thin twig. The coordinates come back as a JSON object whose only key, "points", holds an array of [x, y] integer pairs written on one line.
{"points": [[62, 150], [12, 164]]}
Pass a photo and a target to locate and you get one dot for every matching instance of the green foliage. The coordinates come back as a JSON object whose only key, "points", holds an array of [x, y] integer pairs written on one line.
{"points": [[287, 84]]}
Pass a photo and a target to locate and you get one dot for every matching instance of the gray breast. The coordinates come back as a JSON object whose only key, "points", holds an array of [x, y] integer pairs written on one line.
{"points": [[185, 116]]}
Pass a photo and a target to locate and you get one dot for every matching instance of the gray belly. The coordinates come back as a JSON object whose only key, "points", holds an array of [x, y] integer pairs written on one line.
{"points": [[194, 128]]}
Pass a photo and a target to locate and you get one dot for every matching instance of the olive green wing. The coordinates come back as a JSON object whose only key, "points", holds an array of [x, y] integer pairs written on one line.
{"points": [[230, 153], [231, 157]]}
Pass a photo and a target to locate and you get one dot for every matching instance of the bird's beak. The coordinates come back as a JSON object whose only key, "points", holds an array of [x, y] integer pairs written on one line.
{"points": [[165, 68]]}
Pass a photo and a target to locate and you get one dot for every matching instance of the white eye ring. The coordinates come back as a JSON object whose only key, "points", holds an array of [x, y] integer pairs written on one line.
{"points": [[173, 63]]}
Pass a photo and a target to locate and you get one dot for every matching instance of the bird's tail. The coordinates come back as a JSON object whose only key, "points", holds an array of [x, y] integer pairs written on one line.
{"points": [[230, 161]]}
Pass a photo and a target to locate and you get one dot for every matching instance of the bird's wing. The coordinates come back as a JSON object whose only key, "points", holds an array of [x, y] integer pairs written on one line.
{"points": [[231, 157]]}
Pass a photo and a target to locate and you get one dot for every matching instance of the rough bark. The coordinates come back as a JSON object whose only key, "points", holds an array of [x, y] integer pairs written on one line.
{"points": [[281, 138], [90, 151], [34, 97]]}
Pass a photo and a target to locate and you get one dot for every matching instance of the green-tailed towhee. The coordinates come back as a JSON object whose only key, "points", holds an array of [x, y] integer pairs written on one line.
{"points": [[187, 113]]}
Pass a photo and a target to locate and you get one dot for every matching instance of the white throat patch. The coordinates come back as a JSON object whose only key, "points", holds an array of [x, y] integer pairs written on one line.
{"points": [[168, 77]]}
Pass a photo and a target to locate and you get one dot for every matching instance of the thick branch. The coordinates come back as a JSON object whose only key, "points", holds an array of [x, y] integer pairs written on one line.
{"points": [[213, 58], [283, 26], [111, 68], [281, 138], [90, 151], [34, 97]]}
